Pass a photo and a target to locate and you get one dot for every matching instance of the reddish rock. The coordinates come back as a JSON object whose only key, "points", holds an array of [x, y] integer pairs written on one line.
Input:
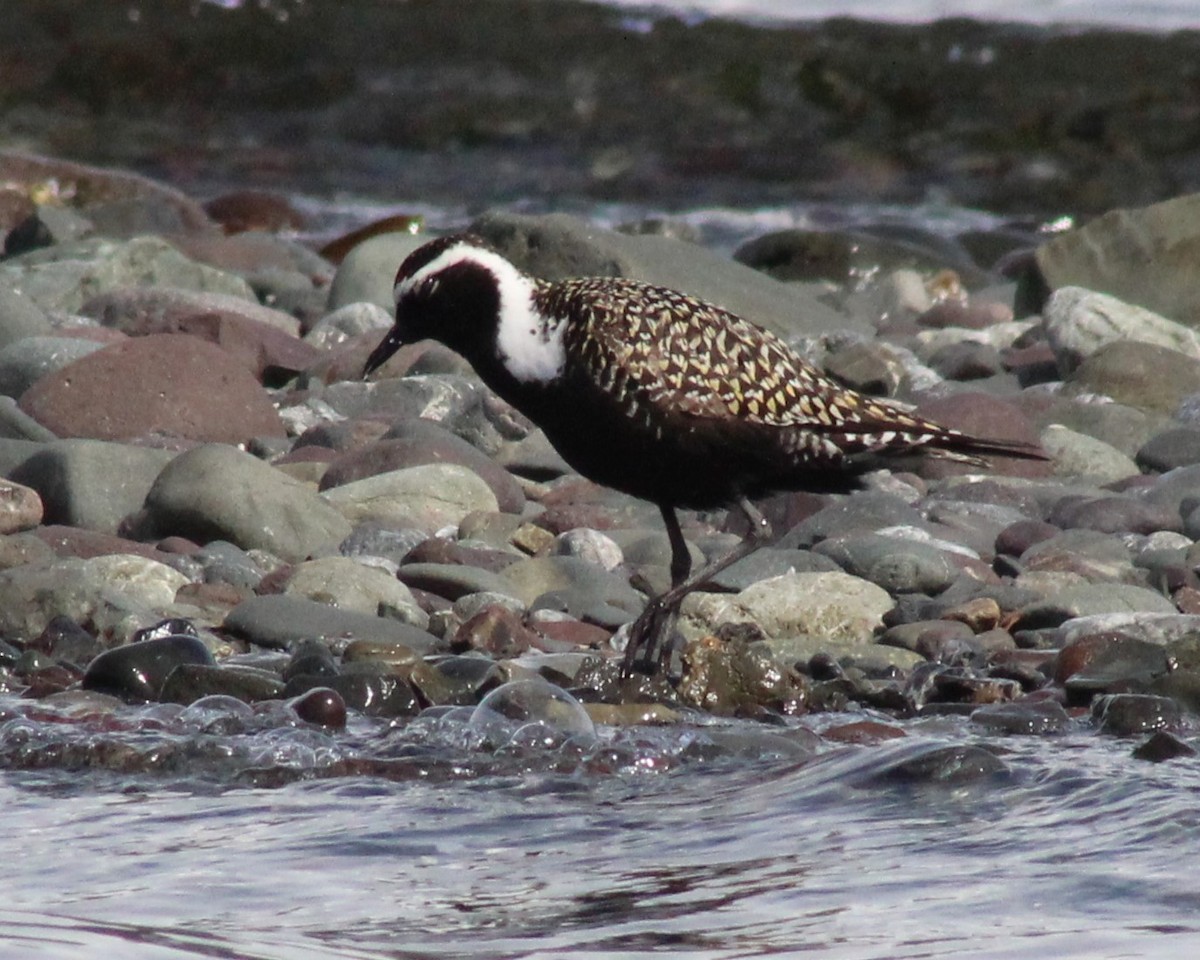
{"points": [[241, 210], [1018, 537], [863, 731], [990, 418], [76, 542], [162, 384], [572, 633], [496, 631]]}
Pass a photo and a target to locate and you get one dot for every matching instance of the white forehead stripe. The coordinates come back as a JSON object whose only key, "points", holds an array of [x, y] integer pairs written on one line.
{"points": [[530, 345]]}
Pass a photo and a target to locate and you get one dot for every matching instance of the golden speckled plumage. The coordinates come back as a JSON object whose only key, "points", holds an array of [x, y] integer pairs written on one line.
{"points": [[667, 356]]}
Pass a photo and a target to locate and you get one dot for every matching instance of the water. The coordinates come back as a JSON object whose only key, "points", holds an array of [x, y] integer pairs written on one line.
{"points": [[1158, 15], [699, 842]]}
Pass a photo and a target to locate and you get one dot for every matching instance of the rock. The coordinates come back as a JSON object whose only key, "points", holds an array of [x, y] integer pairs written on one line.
{"points": [[278, 622], [986, 416], [557, 245], [367, 273], [265, 341], [20, 507], [136, 672], [1098, 662], [418, 442], [165, 384], [1130, 714], [92, 484], [765, 563], [189, 682], [430, 497], [833, 606], [1079, 322], [453, 580], [859, 513], [1078, 455], [216, 492], [26, 361], [729, 679], [117, 593], [20, 317], [1140, 375], [1161, 746], [322, 707], [349, 321], [899, 565], [1091, 599], [1139, 255], [1178, 447], [65, 277], [353, 586], [1023, 717], [575, 587], [1113, 514]]}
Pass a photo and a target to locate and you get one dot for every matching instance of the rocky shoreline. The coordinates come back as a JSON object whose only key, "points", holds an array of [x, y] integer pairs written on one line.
{"points": [[557, 102], [205, 506]]}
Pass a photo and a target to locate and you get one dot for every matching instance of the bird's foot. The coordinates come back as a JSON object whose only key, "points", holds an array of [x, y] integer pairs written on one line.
{"points": [[649, 645]]}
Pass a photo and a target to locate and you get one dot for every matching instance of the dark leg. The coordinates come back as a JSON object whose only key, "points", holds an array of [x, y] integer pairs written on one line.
{"points": [[649, 633]]}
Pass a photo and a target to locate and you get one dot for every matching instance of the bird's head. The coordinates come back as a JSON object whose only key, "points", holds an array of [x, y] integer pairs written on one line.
{"points": [[450, 290], [459, 291]]}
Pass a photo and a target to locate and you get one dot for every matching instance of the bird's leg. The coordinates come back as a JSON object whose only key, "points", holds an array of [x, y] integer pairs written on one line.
{"points": [[649, 632]]}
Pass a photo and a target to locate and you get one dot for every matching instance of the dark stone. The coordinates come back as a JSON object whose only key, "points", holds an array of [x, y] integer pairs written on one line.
{"points": [[1129, 714], [321, 706], [67, 641], [967, 361], [496, 631], [1016, 538], [1162, 745], [1026, 717], [311, 658], [1100, 662], [136, 672], [1177, 447], [190, 682], [1113, 514], [923, 763]]}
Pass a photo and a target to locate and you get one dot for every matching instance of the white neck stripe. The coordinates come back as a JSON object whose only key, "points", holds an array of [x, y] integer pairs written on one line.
{"points": [[529, 344]]}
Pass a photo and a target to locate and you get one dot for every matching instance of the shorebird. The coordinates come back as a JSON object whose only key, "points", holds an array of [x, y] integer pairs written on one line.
{"points": [[660, 395]]}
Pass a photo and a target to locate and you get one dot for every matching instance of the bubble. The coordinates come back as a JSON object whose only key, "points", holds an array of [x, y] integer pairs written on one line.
{"points": [[519, 708]]}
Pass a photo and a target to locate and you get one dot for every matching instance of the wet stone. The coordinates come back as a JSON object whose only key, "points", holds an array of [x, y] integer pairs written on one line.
{"points": [[1097, 663], [67, 641], [189, 682], [915, 763], [136, 672], [279, 621], [734, 679], [1130, 714], [311, 658], [322, 707], [1163, 745], [377, 694], [1025, 717]]}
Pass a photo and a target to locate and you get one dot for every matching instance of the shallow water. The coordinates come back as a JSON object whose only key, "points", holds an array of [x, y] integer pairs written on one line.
{"points": [[725, 840]]}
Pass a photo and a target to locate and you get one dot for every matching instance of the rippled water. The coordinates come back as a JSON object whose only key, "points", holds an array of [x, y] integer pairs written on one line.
{"points": [[684, 841]]}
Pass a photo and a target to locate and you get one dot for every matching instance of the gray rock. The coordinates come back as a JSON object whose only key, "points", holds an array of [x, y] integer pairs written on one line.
{"points": [[1144, 256], [859, 512], [118, 593], [1159, 628], [368, 272], [1093, 599], [16, 424], [443, 398], [22, 363], [768, 562], [20, 317], [897, 565], [216, 492], [349, 321], [1079, 322], [1140, 375], [1131, 714], [558, 246], [93, 484], [1116, 424], [278, 622], [65, 277], [223, 562], [834, 606], [430, 497], [1178, 447], [136, 310], [349, 585], [1079, 455], [576, 582]]}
